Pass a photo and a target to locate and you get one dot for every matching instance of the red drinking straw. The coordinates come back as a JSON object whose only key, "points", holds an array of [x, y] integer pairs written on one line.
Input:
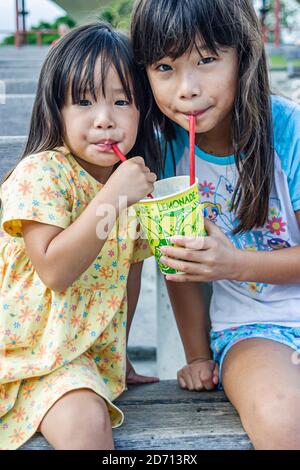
{"points": [[123, 159], [192, 148], [118, 153]]}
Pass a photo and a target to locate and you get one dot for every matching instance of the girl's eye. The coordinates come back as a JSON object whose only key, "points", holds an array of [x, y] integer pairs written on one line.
{"points": [[163, 68], [85, 103], [207, 60], [122, 103]]}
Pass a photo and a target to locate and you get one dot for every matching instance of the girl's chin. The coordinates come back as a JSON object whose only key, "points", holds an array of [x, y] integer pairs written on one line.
{"points": [[108, 158]]}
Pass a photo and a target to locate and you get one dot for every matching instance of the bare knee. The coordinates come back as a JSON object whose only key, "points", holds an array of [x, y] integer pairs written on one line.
{"points": [[87, 417], [81, 421], [273, 422]]}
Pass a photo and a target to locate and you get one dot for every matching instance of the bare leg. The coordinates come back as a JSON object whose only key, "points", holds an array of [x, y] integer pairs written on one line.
{"points": [[79, 420], [263, 384]]}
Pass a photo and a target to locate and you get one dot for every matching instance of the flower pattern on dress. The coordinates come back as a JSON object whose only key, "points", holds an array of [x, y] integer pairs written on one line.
{"points": [[54, 342]]}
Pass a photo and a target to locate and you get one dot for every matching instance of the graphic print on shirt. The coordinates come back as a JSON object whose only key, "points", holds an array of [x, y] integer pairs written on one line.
{"points": [[268, 238]]}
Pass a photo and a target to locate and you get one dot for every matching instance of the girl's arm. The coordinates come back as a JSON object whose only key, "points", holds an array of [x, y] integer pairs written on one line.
{"points": [[133, 292], [200, 372], [188, 305], [62, 256], [214, 257]]}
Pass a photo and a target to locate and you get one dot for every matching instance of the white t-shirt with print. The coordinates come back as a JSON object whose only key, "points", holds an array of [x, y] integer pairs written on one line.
{"points": [[237, 303]]}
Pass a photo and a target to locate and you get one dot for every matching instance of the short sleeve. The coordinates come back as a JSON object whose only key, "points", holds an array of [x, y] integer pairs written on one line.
{"points": [[37, 190], [286, 118], [294, 174]]}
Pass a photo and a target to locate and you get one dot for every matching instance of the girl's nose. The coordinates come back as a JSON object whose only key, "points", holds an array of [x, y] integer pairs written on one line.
{"points": [[189, 88], [104, 120]]}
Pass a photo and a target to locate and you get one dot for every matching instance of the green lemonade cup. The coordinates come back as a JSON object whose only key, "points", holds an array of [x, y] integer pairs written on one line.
{"points": [[174, 210]]}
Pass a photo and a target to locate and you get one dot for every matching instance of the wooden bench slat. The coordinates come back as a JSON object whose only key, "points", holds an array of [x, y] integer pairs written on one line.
{"points": [[166, 391], [163, 417]]}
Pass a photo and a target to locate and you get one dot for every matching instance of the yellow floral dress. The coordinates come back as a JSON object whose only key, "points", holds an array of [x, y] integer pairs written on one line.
{"points": [[54, 342]]}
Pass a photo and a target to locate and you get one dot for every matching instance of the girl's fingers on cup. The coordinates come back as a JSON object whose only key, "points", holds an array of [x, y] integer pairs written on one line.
{"points": [[193, 243], [181, 278], [184, 266], [185, 254]]}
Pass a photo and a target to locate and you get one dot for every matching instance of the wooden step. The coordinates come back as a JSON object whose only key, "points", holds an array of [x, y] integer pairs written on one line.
{"points": [[161, 416]]}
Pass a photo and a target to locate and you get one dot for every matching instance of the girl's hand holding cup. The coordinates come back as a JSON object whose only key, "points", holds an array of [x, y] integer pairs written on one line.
{"points": [[132, 179]]}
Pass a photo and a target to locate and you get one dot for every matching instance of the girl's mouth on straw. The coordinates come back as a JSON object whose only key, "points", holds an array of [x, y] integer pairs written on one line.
{"points": [[197, 113], [105, 145]]}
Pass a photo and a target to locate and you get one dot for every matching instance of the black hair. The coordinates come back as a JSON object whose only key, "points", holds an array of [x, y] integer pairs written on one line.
{"points": [[170, 28], [70, 68]]}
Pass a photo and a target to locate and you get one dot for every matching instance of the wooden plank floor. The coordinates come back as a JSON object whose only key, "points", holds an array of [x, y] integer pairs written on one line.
{"points": [[163, 417]]}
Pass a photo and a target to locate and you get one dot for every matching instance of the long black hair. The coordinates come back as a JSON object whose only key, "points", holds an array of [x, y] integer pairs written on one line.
{"points": [[163, 28], [70, 67]]}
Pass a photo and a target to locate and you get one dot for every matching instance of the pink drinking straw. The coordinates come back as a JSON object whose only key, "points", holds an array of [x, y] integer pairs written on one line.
{"points": [[123, 159], [192, 148]]}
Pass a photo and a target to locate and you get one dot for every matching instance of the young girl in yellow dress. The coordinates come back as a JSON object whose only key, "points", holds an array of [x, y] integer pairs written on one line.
{"points": [[71, 253]]}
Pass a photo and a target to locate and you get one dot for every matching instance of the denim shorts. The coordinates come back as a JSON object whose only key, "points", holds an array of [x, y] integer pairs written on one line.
{"points": [[222, 341]]}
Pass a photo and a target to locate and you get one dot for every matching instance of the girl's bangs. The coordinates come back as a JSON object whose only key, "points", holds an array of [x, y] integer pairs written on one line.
{"points": [[183, 42], [175, 29], [84, 81]]}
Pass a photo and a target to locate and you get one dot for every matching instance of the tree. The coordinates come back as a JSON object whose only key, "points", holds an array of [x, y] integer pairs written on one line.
{"points": [[118, 14], [289, 13], [46, 38]]}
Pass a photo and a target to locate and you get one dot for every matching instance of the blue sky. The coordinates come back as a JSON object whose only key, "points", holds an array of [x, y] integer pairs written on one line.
{"points": [[39, 10]]}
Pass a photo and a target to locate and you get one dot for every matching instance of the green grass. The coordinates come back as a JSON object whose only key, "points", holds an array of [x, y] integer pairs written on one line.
{"points": [[278, 61]]}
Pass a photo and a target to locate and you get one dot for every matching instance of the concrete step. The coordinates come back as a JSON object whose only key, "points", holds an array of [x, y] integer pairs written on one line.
{"points": [[24, 52], [20, 72], [10, 152], [15, 114], [20, 63], [19, 86]]}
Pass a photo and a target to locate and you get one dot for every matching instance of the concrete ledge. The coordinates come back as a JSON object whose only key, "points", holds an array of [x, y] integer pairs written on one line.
{"points": [[19, 86], [24, 52], [15, 114], [10, 152], [20, 72]]}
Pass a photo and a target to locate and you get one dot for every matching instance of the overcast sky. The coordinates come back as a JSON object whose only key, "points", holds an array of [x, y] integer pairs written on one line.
{"points": [[39, 10]]}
